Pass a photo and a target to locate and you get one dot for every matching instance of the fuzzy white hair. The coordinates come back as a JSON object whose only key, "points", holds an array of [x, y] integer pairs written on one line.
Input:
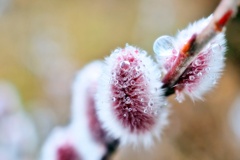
{"points": [[78, 132], [78, 139], [106, 110], [216, 60], [214, 52], [87, 76]]}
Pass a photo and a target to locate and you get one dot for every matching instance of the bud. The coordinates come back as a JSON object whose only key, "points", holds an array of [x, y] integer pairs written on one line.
{"points": [[61, 145], [84, 138], [67, 143], [17, 131], [83, 100], [203, 73], [129, 97]]}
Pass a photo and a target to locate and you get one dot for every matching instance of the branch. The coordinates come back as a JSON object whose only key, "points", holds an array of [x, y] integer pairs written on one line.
{"points": [[222, 15], [111, 149]]}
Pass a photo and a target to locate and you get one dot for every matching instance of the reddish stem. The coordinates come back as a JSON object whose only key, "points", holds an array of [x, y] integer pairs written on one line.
{"points": [[184, 53], [192, 48], [222, 22]]}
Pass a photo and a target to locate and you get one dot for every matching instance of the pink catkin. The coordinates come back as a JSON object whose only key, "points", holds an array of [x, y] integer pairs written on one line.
{"points": [[193, 73], [203, 72], [98, 133], [130, 100], [128, 105], [67, 152]]}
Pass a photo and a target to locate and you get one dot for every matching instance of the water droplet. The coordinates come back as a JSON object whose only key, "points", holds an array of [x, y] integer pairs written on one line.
{"points": [[128, 100], [137, 74], [125, 78], [137, 68], [191, 78], [115, 82], [129, 109], [150, 103], [199, 74], [145, 110], [132, 82], [197, 62], [124, 115], [125, 65], [162, 44], [142, 99], [113, 74], [196, 70], [113, 99]]}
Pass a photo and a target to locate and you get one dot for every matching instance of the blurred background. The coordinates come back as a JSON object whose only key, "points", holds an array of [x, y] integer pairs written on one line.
{"points": [[43, 43]]}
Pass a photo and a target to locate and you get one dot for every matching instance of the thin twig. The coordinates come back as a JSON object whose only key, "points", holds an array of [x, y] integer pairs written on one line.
{"points": [[222, 15], [111, 149]]}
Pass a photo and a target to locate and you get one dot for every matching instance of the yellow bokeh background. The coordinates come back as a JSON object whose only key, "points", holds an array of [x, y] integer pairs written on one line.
{"points": [[43, 43]]}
